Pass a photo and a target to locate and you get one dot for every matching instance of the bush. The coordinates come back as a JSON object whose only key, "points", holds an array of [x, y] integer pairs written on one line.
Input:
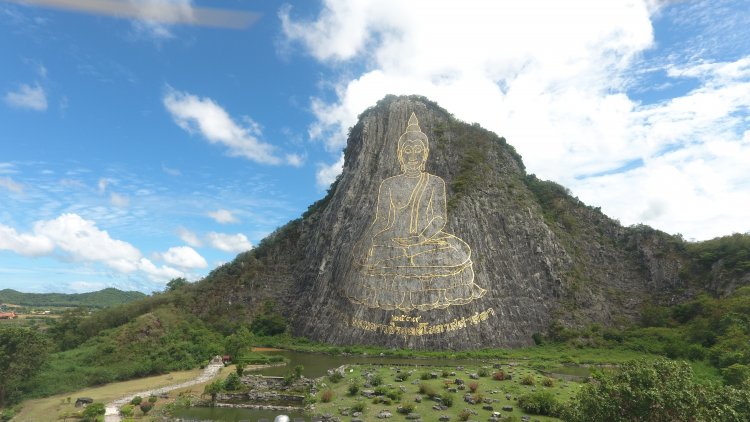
{"points": [[447, 399], [445, 373], [127, 411], [353, 389], [93, 411], [401, 377], [498, 376], [152, 399], [326, 396], [473, 387], [427, 390], [656, 390], [233, 382], [483, 372], [528, 379], [405, 408], [359, 407], [736, 374], [376, 380], [464, 415], [136, 400], [548, 382], [335, 377], [540, 403], [146, 407], [424, 376]]}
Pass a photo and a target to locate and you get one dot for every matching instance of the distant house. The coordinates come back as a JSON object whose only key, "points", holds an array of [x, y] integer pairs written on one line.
{"points": [[8, 315]]}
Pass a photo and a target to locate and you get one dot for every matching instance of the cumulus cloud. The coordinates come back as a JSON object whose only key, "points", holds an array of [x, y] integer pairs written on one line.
{"points": [[27, 97], [184, 257], [327, 173], [554, 78], [24, 244], [189, 237], [204, 116], [229, 242], [295, 160], [80, 240], [11, 185], [223, 216]]}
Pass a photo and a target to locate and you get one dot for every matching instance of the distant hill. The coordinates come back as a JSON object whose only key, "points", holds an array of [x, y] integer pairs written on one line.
{"points": [[101, 299]]}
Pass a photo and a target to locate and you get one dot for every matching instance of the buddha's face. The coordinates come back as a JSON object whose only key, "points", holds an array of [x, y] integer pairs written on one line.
{"points": [[413, 155]]}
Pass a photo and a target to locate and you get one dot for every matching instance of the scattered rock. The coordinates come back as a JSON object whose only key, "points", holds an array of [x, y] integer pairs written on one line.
{"points": [[384, 414], [508, 408]]}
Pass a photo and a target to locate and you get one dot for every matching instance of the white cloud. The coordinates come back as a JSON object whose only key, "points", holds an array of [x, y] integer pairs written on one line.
{"points": [[11, 185], [553, 78], [222, 216], [295, 160], [160, 274], [83, 241], [203, 115], [102, 185], [229, 242], [28, 97], [120, 201], [170, 171], [80, 240], [86, 286], [189, 237], [184, 257], [24, 244], [327, 173]]}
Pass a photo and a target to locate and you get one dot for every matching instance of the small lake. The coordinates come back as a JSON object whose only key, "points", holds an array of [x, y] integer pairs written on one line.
{"points": [[224, 414]]}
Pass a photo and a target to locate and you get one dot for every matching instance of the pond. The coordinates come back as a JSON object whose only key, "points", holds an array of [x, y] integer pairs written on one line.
{"points": [[234, 415]]}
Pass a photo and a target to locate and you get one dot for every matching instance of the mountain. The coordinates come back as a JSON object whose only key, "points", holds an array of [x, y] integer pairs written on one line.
{"points": [[502, 255], [101, 299]]}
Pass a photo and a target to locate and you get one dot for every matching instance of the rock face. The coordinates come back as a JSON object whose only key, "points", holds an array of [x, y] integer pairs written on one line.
{"points": [[501, 255]]}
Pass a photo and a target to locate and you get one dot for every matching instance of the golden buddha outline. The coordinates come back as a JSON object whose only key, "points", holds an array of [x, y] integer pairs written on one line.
{"points": [[405, 259]]}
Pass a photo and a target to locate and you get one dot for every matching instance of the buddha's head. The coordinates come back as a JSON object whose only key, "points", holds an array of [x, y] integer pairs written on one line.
{"points": [[413, 147]]}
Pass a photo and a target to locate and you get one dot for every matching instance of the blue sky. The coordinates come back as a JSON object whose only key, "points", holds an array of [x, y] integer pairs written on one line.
{"points": [[146, 141]]}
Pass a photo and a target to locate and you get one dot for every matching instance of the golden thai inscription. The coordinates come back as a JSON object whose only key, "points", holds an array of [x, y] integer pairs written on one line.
{"points": [[406, 260], [422, 328]]}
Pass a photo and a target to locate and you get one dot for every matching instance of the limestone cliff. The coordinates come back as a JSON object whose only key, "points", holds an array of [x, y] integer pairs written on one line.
{"points": [[537, 255]]}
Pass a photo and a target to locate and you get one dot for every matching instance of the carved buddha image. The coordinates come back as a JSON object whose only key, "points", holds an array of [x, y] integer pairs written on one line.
{"points": [[406, 260]]}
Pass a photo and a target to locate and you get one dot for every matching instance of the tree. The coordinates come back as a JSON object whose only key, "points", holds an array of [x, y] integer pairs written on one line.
{"points": [[655, 391], [213, 389], [22, 353], [176, 283]]}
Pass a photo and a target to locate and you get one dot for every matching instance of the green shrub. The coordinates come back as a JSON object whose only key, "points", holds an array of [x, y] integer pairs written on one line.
{"points": [[135, 401], [233, 382], [736, 374], [402, 376], [548, 382], [447, 399], [353, 389], [335, 377], [376, 380], [528, 379], [152, 399], [540, 403], [93, 411], [424, 376], [464, 415], [359, 407], [427, 390], [127, 410], [405, 408], [483, 372]]}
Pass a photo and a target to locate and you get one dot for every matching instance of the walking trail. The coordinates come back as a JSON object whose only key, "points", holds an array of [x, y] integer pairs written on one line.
{"points": [[113, 409]]}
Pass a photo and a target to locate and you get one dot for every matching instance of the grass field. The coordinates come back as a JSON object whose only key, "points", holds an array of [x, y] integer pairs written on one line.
{"points": [[55, 407], [490, 395]]}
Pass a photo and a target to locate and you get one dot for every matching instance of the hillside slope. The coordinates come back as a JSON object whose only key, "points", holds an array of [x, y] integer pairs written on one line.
{"points": [[539, 256]]}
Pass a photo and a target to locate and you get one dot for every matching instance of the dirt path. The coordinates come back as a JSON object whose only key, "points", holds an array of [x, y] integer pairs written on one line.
{"points": [[113, 409]]}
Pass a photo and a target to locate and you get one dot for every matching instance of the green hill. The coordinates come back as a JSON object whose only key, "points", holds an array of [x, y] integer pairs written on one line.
{"points": [[101, 299]]}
